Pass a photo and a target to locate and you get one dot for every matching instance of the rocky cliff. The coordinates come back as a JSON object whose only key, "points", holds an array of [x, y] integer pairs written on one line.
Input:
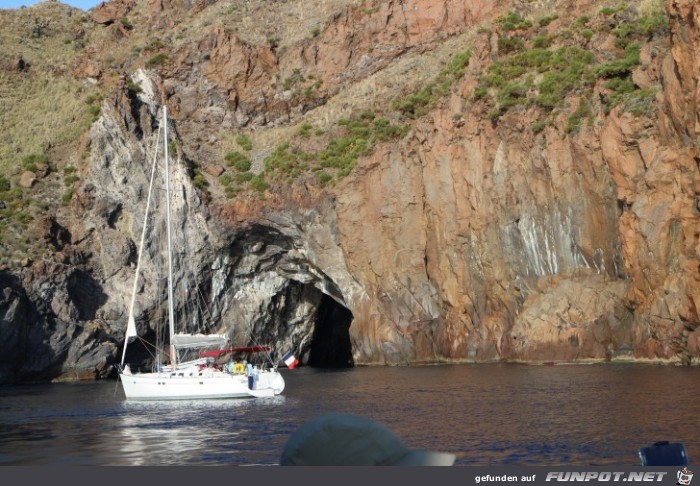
{"points": [[375, 182]]}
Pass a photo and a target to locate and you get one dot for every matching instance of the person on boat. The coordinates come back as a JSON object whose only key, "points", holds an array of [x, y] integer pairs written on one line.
{"points": [[353, 440], [250, 373], [238, 368]]}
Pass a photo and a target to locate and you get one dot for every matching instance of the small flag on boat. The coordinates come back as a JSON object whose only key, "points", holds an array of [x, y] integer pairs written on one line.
{"points": [[290, 360]]}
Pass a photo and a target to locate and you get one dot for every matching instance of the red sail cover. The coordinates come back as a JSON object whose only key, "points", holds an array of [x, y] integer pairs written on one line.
{"points": [[244, 349]]}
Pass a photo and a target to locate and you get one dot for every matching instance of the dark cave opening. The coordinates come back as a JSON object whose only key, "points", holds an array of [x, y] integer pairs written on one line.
{"points": [[330, 343]]}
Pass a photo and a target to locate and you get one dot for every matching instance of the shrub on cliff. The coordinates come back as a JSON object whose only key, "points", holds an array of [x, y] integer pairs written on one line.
{"points": [[156, 60], [546, 74], [29, 162], [245, 143], [238, 161], [415, 105]]}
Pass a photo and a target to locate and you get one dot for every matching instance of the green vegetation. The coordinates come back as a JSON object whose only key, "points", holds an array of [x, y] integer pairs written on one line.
{"points": [[154, 45], [44, 113], [199, 181], [69, 176], [641, 102], [513, 21], [507, 45], [581, 21], [545, 21], [607, 11], [342, 152], [286, 160], [243, 177], [538, 126], [156, 60], [584, 111], [20, 207], [69, 179], [48, 109], [244, 142], [67, 196], [561, 71], [653, 24], [29, 162], [309, 92], [238, 161], [533, 71], [324, 177], [305, 130], [620, 67], [242, 165], [132, 87], [126, 23], [274, 42], [293, 80], [350, 140], [418, 104], [640, 29], [541, 42], [258, 183], [619, 77]]}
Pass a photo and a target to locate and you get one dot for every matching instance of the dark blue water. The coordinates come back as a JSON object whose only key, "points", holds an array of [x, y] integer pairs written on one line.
{"points": [[493, 414]]}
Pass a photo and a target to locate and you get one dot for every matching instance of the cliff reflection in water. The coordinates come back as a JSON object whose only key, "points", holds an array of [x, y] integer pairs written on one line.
{"points": [[489, 414]]}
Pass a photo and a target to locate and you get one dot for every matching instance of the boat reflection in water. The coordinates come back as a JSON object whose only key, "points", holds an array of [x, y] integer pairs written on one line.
{"points": [[196, 432]]}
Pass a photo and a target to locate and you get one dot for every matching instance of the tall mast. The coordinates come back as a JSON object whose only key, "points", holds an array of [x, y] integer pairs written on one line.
{"points": [[171, 312]]}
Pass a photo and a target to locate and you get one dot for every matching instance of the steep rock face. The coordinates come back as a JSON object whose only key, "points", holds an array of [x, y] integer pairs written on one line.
{"points": [[483, 243], [255, 273], [473, 222], [670, 310], [468, 240], [58, 336], [226, 81]]}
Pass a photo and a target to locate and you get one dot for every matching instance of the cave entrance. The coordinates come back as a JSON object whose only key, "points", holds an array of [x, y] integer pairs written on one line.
{"points": [[330, 343], [305, 311]]}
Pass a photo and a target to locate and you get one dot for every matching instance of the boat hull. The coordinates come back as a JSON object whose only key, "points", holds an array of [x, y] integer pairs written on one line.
{"points": [[183, 386]]}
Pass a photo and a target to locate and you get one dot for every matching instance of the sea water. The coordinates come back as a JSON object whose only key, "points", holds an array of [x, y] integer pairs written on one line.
{"points": [[487, 414]]}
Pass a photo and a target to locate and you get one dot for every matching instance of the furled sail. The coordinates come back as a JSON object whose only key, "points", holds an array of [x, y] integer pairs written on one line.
{"points": [[190, 341]]}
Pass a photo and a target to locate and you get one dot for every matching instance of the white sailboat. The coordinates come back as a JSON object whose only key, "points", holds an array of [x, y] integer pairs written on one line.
{"points": [[198, 378]]}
